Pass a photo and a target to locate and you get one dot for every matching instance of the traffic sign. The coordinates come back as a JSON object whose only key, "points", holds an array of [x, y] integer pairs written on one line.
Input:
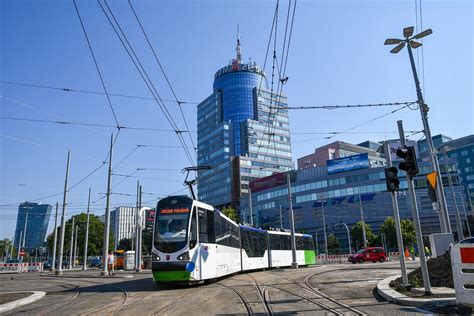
{"points": [[22, 253], [432, 182]]}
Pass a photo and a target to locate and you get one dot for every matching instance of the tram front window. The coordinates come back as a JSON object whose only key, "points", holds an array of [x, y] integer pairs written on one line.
{"points": [[171, 231]]}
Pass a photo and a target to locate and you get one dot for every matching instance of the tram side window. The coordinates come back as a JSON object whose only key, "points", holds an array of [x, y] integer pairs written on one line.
{"points": [[193, 233], [275, 242], [206, 226], [299, 242], [254, 243], [308, 243]]}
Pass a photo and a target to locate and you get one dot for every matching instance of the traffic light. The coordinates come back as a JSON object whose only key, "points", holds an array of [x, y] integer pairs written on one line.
{"points": [[410, 165], [392, 179]]}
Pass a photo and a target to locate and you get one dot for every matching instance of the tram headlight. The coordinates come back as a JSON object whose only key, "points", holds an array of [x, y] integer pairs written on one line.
{"points": [[184, 256], [155, 257]]}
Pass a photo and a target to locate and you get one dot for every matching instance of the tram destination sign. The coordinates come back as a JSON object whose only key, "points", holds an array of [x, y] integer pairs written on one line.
{"points": [[172, 211], [354, 162]]}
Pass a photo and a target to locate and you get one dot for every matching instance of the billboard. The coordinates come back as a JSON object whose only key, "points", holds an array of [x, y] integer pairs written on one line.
{"points": [[268, 182], [354, 162]]}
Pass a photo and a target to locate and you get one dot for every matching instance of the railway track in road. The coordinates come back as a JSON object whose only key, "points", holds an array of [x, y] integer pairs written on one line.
{"points": [[241, 297]]}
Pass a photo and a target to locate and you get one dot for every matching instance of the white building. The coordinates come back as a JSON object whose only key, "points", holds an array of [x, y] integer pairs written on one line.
{"points": [[122, 223]]}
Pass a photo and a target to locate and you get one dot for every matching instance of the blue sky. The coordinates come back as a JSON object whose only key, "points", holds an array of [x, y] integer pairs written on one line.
{"points": [[337, 56]]}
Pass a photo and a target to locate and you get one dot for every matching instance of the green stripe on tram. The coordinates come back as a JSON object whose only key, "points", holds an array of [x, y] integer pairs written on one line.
{"points": [[169, 276], [309, 257]]}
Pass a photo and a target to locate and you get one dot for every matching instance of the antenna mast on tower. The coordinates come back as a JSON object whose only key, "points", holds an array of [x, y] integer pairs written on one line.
{"points": [[238, 49]]}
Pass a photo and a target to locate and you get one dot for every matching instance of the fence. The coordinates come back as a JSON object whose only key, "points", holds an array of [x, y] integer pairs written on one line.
{"points": [[21, 267]]}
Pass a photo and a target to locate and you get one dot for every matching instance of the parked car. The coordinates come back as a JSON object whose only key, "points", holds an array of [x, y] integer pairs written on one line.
{"points": [[47, 265], [469, 240], [373, 254]]}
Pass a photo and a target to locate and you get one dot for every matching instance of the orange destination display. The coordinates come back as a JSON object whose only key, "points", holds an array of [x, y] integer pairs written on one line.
{"points": [[170, 211]]}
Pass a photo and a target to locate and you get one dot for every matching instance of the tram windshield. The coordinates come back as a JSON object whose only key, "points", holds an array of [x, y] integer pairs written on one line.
{"points": [[171, 226]]}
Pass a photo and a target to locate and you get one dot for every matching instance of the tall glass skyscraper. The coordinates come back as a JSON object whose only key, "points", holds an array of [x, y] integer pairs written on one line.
{"points": [[243, 134], [37, 220]]}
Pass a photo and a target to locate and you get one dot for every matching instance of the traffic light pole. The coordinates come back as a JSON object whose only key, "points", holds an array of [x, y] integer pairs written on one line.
{"points": [[456, 208], [294, 263], [443, 209], [59, 271], [416, 219], [398, 228]]}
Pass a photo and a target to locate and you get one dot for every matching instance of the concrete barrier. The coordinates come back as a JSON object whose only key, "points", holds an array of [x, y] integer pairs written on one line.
{"points": [[13, 267], [462, 261]]}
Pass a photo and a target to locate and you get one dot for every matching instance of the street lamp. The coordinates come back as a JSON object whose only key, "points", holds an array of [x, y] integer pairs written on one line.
{"points": [[412, 43]]}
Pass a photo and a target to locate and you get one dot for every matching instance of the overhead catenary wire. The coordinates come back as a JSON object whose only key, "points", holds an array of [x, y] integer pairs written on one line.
{"points": [[163, 71], [144, 75], [345, 106], [88, 92], [96, 64]]}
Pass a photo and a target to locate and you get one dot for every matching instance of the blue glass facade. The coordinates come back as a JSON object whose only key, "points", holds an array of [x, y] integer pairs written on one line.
{"points": [[341, 193], [36, 224], [239, 135], [238, 101]]}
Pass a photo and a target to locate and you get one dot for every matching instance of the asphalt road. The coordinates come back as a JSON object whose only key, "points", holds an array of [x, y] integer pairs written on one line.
{"points": [[337, 289]]}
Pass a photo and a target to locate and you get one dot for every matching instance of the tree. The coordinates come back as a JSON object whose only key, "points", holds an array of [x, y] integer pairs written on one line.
{"points": [[356, 235], [5, 245], [389, 229], [230, 213], [96, 236], [333, 244], [408, 231]]}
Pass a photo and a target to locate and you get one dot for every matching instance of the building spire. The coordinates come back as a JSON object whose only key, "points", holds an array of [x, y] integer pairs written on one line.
{"points": [[238, 48]]}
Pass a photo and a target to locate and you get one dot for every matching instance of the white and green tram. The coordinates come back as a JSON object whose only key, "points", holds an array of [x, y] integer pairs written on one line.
{"points": [[194, 242]]}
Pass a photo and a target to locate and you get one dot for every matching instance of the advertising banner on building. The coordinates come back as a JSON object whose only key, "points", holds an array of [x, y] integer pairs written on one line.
{"points": [[354, 162], [268, 182]]}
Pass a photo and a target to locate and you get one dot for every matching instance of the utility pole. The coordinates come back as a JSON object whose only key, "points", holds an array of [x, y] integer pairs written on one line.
{"points": [[364, 236], [325, 232], [458, 216], [250, 206], [137, 239], [416, 219], [86, 238], [139, 261], [75, 248], [398, 227], [465, 215], [55, 240], [104, 271], [59, 271], [72, 245], [294, 263], [19, 246], [24, 229]]}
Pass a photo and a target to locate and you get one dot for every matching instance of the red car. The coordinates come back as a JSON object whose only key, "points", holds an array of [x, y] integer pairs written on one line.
{"points": [[373, 254]]}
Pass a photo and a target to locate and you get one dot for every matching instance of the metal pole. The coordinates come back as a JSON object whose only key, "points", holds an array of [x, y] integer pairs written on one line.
{"points": [[86, 238], [136, 227], [19, 246], [59, 271], [465, 215], [107, 212], [431, 150], [348, 238], [250, 207], [294, 263], [139, 268], [325, 233], [396, 217], [416, 219], [458, 216], [75, 248], [364, 236], [55, 239], [72, 245], [24, 230]]}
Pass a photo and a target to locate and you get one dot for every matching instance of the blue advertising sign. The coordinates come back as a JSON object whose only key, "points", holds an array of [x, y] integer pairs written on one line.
{"points": [[354, 162]]}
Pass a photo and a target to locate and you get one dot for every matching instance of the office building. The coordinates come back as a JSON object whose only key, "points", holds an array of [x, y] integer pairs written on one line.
{"points": [[123, 223], [37, 217], [345, 185], [243, 133]]}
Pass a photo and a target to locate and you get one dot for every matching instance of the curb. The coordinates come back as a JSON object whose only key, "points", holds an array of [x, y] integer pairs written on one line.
{"points": [[35, 295], [390, 295]]}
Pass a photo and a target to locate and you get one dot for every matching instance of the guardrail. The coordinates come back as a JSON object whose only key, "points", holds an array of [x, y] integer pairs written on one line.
{"points": [[21, 267], [462, 263]]}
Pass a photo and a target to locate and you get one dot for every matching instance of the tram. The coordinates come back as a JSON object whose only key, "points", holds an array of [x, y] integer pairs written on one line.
{"points": [[193, 242]]}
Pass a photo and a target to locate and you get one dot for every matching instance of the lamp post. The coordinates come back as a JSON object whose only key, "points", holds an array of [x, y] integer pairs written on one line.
{"points": [[324, 228], [464, 211], [458, 216], [412, 43]]}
